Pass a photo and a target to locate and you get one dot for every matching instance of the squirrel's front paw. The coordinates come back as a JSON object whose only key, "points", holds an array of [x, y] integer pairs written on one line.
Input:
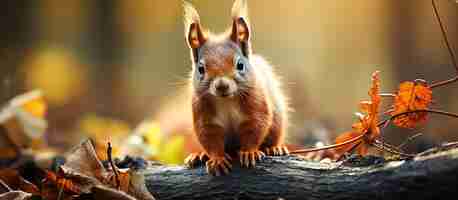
{"points": [[249, 158], [218, 166], [194, 159], [277, 151]]}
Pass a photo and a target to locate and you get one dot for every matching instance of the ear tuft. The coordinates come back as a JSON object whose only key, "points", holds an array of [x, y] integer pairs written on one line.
{"points": [[241, 32], [190, 15], [193, 30], [240, 9]]}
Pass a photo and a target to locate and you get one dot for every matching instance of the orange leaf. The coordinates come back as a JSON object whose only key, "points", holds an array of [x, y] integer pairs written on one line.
{"points": [[410, 97], [62, 182], [374, 91], [367, 124], [365, 106], [346, 137]]}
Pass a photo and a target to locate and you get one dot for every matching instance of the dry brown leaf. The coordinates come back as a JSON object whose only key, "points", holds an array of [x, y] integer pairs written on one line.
{"points": [[137, 186], [83, 160], [15, 195], [131, 181], [102, 192], [8, 152], [13, 179], [4, 187], [85, 171], [82, 169]]}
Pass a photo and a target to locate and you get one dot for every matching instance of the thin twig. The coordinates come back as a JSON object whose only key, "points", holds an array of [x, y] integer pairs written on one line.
{"points": [[113, 167], [440, 148], [384, 122], [410, 139], [449, 48], [350, 150], [61, 192], [382, 147], [387, 121], [444, 35], [389, 145], [382, 140], [387, 95], [442, 83], [3, 184], [381, 135], [328, 146], [440, 112]]}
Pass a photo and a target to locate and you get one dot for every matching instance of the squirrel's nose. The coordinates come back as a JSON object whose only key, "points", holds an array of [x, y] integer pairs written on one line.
{"points": [[222, 88]]}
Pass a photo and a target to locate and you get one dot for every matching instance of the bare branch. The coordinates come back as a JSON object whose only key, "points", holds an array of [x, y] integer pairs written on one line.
{"points": [[328, 146], [113, 167], [449, 48], [411, 138]]}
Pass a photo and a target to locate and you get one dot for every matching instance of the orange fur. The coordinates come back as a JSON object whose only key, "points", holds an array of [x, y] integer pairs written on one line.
{"points": [[249, 120]]}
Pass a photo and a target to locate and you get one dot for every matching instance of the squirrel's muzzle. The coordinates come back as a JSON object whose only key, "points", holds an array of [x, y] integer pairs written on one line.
{"points": [[223, 87]]}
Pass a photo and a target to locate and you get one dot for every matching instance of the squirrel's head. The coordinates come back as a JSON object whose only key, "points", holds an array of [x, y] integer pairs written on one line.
{"points": [[220, 63]]}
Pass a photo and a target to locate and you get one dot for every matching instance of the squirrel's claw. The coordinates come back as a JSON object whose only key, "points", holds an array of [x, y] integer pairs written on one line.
{"points": [[194, 159], [277, 151], [218, 166], [249, 158]]}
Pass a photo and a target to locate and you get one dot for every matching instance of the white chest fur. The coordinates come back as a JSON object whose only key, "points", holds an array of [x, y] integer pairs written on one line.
{"points": [[228, 114]]}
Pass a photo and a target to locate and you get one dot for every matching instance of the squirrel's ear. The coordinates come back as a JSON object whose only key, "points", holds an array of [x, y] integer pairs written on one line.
{"points": [[240, 32], [193, 30]]}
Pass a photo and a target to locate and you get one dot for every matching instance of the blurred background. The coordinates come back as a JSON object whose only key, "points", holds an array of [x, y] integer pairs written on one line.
{"points": [[106, 66]]}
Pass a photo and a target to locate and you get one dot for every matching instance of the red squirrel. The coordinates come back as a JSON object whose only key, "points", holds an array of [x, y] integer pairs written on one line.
{"points": [[238, 107]]}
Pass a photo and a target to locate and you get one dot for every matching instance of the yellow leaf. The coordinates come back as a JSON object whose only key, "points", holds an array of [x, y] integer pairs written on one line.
{"points": [[23, 118], [104, 130], [172, 152], [57, 72], [153, 135]]}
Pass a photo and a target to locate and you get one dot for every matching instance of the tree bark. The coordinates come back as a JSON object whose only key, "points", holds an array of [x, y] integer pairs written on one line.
{"points": [[424, 177]]}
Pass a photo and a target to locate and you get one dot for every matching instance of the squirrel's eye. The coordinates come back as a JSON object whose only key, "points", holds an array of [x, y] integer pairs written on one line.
{"points": [[240, 65], [201, 68]]}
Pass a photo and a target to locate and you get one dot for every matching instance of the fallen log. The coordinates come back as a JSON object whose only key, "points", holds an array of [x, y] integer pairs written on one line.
{"points": [[423, 177]]}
